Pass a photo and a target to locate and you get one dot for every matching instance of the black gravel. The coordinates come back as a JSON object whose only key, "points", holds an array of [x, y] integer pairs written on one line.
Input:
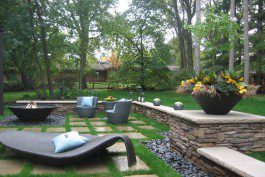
{"points": [[52, 120], [162, 149]]}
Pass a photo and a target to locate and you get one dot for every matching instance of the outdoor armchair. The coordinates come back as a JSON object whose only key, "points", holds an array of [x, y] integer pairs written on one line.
{"points": [[120, 113], [86, 111]]}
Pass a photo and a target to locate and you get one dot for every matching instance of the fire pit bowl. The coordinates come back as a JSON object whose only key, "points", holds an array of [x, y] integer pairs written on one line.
{"points": [[32, 114]]}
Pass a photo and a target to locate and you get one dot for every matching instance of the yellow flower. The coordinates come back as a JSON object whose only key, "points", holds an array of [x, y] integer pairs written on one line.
{"points": [[183, 83], [241, 79], [239, 87], [199, 83], [191, 81], [231, 81], [242, 91], [206, 79]]}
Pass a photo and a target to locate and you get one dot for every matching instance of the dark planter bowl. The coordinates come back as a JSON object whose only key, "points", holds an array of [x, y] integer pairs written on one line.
{"points": [[108, 105], [218, 105], [32, 115]]}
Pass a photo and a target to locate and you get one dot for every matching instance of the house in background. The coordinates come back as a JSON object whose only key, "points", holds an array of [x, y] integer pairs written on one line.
{"points": [[99, 71]]}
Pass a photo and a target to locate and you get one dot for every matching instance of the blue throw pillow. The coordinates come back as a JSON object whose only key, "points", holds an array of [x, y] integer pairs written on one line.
{"points": [[87, 101], [68, 141]]}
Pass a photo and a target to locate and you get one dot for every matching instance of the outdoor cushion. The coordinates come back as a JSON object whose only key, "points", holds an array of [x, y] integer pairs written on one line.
{"points": [[87, 102], [68, 141]]}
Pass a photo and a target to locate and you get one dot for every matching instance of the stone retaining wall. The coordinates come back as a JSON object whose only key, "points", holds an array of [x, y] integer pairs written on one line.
{"points": [[190, 130], [157, 115], [62, 107]]}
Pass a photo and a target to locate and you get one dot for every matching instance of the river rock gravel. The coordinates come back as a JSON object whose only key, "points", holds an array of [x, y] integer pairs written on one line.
{"points": [[161, 148], [52, 120]]}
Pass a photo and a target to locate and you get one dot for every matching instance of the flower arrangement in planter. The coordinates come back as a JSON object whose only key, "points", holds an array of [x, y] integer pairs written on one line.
{"points": [[217, 94], [109, 103], [110, 99]]}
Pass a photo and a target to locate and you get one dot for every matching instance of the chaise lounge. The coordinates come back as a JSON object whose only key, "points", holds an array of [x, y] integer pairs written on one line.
{"points": [[37, 146]]}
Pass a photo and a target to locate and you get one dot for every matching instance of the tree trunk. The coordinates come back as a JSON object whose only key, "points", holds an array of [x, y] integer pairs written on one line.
{"points": [[232, 49], [84, 37], [197, 40], [35, 50], [1, 69], [189, 51], [45, 48], [142, 64], [25, 82], [260, 53], [246, 42], [83, 62]]}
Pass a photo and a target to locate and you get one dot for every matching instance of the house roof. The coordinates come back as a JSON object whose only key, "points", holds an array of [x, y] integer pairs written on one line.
{"points": [[173, 68], [101, 66]]}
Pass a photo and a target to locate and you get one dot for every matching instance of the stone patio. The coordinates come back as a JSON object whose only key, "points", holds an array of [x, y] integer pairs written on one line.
{"points": [[122, 164], [135, 135], [147, 127], [80, 129], [3, 129], [8, 167], [44, 169], [98, 123], [103, 129], [117, 147], [78, 124], [138, 122], [125, 128], [55, 130], [95, 165], [33, 129], [152, 175], [73, 119]]}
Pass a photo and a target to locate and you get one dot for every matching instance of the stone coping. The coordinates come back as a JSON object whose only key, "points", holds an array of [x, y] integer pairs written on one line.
{"points": [[49, 101], [235, 161], [199, 117]]}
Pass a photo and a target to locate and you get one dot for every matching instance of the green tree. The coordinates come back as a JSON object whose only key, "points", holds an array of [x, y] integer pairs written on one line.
{"points": [[81, 18]]}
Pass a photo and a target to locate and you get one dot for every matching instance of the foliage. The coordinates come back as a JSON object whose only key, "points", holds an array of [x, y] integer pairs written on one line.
{"points": [[12, 86], [216, 31], [213, 84]]}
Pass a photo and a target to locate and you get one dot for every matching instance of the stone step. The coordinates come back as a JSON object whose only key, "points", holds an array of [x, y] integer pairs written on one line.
{"points": [[234, 161]]}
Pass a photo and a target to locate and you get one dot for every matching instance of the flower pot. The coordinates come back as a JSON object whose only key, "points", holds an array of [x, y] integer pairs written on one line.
{"points": [[108, 105], [220, 104]]}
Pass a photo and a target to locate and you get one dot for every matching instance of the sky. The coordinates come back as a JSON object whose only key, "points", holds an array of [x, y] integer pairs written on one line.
{"points": [[123, 5]]}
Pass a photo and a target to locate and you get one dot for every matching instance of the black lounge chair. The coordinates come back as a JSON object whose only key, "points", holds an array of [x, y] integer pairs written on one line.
{"points": [[37, 146]]}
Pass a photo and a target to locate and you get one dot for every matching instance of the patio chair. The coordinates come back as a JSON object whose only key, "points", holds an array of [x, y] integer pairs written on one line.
{"points": [[120, 113], [86, 111], [37, 146]]}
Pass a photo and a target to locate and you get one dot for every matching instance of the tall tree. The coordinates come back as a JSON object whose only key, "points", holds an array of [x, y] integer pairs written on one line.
{"points": [[197, 39], [44, 46], [1, 69], [82, 18], [232, 49], [31, 10], [246, 41]]}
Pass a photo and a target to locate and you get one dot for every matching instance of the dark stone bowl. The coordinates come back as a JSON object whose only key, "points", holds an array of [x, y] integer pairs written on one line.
{"points": [[220, 104], [32, 115]]}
